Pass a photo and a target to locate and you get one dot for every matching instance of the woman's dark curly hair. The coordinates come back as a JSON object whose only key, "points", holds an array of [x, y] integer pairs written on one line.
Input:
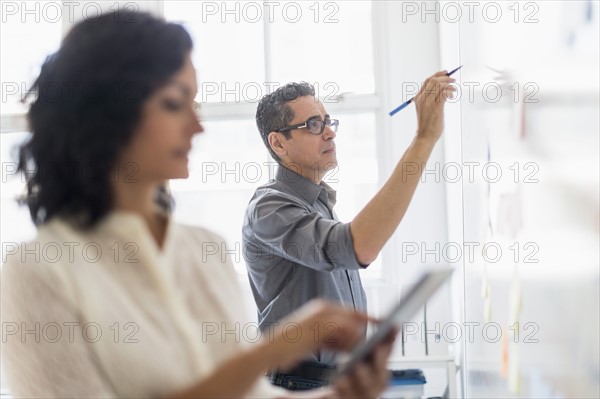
{"points": [[88, 102]]}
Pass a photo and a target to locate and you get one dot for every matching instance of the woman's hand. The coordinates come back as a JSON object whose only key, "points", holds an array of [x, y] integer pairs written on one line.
{"points": [[367, 380], [318, 324]]}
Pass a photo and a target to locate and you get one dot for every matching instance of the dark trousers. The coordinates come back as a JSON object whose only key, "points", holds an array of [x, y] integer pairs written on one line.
{"points": [[307, 375]]}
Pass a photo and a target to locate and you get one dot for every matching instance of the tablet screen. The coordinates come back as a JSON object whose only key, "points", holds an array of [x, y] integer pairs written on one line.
{"points": [[414, 299]]}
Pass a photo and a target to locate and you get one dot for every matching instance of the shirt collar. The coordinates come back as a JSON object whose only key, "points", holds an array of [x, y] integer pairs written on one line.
{"points": [[306, 188]]}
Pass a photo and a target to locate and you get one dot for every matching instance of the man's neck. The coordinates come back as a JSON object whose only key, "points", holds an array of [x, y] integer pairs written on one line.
{"points": [[314, 175]]}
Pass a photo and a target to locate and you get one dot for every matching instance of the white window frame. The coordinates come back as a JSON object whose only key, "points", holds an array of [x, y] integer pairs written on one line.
{"points": [[343, 103]]}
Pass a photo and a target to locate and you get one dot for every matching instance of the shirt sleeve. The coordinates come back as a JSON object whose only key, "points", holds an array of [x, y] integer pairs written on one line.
{"points": [[284, 228], [42, 356]]}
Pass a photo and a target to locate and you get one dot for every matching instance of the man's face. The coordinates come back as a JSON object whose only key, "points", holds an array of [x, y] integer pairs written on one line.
{"points": [[309, 154]]}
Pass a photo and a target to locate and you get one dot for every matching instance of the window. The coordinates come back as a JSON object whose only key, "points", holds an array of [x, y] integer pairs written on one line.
{"points": [[226, 164], [236, 58], [37, 28], [262, 46], [330, 44], [26, 26], [16, 226]]}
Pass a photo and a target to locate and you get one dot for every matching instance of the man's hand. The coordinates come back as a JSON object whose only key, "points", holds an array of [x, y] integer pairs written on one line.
{"points": [[377, 221], [430, 105]]}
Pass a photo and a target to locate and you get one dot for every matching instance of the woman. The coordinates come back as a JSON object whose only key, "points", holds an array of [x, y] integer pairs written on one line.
{"points": [[117, 300]]}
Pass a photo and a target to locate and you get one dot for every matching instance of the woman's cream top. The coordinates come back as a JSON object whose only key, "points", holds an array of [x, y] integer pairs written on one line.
{"points": [[107, 313]]}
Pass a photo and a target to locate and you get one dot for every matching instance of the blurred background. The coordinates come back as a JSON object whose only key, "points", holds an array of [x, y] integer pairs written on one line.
{"points": [[510, 197]]}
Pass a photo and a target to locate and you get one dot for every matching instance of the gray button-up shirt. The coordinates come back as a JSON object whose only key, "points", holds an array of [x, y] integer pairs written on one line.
{"points": [[296, 250]]}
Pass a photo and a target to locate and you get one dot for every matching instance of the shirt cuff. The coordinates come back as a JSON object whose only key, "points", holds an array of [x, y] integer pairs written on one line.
{"points": [[342, 253]]}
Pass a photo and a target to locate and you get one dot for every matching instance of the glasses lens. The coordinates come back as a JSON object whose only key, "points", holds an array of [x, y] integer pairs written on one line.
{"points": [[316, 126], [333, 124]]}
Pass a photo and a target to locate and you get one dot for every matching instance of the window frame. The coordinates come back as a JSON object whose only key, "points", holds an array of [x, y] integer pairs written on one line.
{"points": [[341, 103]]}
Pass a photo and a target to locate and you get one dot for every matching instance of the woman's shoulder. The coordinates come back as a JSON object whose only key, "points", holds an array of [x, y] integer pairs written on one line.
{"points": [[47, 242], [38, 264]]}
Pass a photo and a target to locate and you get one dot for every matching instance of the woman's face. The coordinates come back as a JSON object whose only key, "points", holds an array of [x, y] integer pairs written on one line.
{"points": [[159, 147]]}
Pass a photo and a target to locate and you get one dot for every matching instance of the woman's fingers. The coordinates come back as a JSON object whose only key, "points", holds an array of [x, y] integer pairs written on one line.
{"points": [[342, 328], [322, 324], [364, 381], [368, 379], [358, 384], [380, 363], [363, 317]]}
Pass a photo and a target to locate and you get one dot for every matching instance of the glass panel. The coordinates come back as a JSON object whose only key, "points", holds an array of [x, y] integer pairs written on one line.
{"points": [[30, 31], [228, 48], [356, 177], [15, 224], [532, 142], [229, 155], [227, 163], [218, 211], [327, 43]]}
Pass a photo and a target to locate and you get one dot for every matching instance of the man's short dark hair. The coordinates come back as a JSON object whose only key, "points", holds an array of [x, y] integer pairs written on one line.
{"points": [[274, 112]]}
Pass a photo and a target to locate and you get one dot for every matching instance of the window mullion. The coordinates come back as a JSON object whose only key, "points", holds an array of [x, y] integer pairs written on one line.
{"points": [[13, 123], [267, 43]]}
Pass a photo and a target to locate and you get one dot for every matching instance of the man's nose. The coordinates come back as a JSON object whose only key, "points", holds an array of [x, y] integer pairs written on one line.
{"points": [[328, 133]]}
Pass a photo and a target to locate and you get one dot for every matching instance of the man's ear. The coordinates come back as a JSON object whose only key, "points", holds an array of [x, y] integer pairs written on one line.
{"points": [[276, 141]]}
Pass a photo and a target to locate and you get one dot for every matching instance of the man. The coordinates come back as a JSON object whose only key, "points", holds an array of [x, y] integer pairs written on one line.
{"points": [[295, 247]]}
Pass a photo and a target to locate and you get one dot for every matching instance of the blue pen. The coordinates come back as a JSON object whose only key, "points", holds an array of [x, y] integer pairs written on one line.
{"points": [[405, 104]]}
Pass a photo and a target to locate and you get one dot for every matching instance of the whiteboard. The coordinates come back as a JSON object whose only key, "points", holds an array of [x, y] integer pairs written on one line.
{"points": [[526, 137]]}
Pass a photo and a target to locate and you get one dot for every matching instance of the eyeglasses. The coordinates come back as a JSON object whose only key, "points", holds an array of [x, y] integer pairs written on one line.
{"points": [[196, 106], [315, 126]]}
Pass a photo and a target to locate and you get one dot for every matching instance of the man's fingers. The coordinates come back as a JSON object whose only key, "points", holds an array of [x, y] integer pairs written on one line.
{"points": [[437, 89], [435, 85], [438, 78], [449, 91], [441, 81]]}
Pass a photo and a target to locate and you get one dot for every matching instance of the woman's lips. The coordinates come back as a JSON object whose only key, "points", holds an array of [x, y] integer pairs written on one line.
{"points": [[182, 153]]}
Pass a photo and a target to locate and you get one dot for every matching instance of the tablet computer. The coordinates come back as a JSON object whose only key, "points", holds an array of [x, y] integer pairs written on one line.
{"points": [[415, 298]]}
